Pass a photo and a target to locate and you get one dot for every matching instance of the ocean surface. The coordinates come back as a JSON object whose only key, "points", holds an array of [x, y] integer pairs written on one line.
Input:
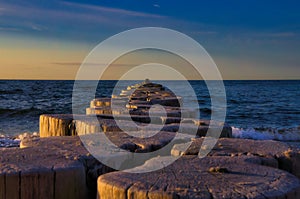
{"points": [[255, 109]]}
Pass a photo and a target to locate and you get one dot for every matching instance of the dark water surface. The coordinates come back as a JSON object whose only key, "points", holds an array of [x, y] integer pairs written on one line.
{"points": [[253, 107]]}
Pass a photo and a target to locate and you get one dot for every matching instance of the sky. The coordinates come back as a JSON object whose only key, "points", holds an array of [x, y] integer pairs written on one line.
{"points": [[249, 39]]}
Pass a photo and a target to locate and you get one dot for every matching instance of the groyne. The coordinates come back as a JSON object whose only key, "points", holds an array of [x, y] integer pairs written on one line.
{"points": [[58, 165]]}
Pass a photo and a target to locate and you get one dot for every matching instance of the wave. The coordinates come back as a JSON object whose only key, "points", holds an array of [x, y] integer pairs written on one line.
{"points": [[205, 110], [281, 134], [20, 111], [14, 141], [234, 101], [15, 91]]}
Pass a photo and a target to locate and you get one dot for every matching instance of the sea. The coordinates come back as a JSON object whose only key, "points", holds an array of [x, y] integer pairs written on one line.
{"points": [[256, 109]]}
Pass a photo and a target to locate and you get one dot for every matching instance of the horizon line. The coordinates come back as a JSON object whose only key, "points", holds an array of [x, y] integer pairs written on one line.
{"points": [[12, 79]]}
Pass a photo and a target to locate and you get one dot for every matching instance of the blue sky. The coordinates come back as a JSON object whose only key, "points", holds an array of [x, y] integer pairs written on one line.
{"points": [[247, 39]]}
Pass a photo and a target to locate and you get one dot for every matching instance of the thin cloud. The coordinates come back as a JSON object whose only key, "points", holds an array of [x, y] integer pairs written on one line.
{"points": [[156, 5], [37, 28], [67, 63], [85, 21], [78, 13], [32, 12], [113, 10], [90, 64]]}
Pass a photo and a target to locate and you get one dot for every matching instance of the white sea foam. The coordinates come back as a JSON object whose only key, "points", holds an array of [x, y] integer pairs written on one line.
{"points": [[289, 134], [7, 141]]}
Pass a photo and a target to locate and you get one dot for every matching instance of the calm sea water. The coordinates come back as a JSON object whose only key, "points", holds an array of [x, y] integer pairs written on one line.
{"points": [[255, 109]]}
